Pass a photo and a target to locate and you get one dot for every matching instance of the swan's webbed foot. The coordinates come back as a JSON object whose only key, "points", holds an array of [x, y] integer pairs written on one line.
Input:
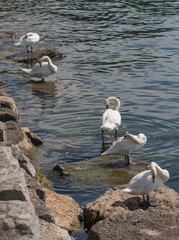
{"points": [[151, 202]]}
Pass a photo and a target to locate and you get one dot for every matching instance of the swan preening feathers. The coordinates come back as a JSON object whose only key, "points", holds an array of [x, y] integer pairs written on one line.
{"points": [[147, 181], [126, 145], [111, 119], [28, 40], [42, 69]]}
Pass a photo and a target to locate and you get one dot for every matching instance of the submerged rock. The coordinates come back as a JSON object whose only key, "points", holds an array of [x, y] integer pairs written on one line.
{"points": [[61, 169], [37, 54]]}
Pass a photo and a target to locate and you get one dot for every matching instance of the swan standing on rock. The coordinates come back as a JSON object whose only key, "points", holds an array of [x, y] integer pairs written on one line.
{"points": [[28, 40], [43, 69], [111, 119], [127, 144], [147, 181]]}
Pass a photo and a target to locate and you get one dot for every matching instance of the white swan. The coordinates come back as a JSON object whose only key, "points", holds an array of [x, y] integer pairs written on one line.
{"points": [[147, 181], [28, 40], [43, 69], [111, 119], [127, 144]]}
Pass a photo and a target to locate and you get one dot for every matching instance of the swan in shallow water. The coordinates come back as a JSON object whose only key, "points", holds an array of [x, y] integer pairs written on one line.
{"points": [[127, 144], [111, 119], [28, 40], [147, 181], [42, 69]]}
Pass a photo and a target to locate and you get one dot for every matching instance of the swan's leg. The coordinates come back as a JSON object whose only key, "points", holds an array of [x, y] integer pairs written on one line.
{"points": [[27, 49], [115, 134], [127, 160], [102, 135], [31, 49]]}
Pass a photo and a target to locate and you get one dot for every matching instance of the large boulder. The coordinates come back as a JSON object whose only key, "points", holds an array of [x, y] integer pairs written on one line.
{"points": [[138, 225], [115, 202], [65, 209]]}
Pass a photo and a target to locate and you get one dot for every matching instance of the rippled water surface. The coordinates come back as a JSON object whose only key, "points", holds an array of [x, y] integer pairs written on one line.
{"points": [[127, 49]]}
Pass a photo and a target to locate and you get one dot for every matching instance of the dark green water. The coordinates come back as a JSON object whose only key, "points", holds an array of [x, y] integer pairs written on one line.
{"points": [[127, 49]]}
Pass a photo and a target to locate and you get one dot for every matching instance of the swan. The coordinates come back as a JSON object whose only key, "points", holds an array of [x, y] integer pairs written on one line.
{"points": [[28, 40], [127, 144], [111, 118], [43, 68], [147, 181]]}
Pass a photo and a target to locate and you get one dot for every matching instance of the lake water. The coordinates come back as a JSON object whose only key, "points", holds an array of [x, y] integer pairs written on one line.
{"points": [[128, 49]]}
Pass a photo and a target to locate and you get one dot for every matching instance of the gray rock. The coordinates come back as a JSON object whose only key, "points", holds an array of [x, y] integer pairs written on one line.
{"points": [[14, 133], [18, 221], [39, 204], [24, 161], [17, 214], [50, 231], [138, 225]]}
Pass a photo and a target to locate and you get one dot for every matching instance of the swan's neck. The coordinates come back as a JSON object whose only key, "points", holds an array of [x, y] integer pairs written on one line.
{"points": [[116, 102], [132, 138], [162, 173], [51, 66]]}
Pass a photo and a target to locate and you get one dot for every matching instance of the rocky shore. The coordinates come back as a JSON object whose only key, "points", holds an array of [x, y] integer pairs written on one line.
{"points": [[117, 215], [28, 210]]}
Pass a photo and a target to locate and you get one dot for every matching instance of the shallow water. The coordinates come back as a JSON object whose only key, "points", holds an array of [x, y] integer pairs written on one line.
{"points": [[110, 48]]}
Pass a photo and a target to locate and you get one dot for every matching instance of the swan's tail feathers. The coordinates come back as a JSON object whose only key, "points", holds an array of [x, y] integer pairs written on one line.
{"points": [[18, 43], [26, 70], [107, 127], [107, 152], [126, 190]]}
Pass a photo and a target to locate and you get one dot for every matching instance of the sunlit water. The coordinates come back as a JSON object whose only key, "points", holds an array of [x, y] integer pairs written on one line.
{"points": [[127, 49]]}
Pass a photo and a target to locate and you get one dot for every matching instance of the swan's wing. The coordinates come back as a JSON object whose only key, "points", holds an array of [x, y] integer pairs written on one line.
{"points": [[121, 146], [40, 71], [141, 184], [32, 38], [141, 179], [111, 119]]}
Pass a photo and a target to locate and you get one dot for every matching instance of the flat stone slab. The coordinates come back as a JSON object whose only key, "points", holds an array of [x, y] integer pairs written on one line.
{"points": [[134, 225]]}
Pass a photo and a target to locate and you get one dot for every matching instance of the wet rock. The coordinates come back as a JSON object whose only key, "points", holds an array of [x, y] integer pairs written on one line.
{"points": [[65, 209], [134, 225], [61, 169], [8, 35], [36, 140], [31, 57], [116, 202]]}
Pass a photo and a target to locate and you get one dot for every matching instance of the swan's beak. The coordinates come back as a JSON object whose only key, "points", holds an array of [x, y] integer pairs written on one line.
{"points": [[153, 179], [39, 63], [107, 106]]}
